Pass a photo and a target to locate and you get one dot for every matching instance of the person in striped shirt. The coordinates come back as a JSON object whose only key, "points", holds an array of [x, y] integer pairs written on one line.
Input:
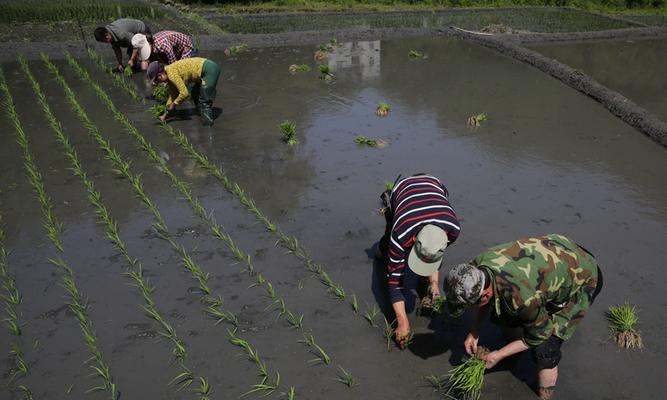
{"points": [[421, 223]]}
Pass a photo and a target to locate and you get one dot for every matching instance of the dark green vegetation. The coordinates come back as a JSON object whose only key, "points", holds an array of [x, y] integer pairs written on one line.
{"points": [[78, 10], [386, 5]]}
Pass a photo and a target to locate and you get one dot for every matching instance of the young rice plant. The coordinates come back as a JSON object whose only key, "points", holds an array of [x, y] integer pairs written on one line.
{"points": [[622, 322], [288, 130]]}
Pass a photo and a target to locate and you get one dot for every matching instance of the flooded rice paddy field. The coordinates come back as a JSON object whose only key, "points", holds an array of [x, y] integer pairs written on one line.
{"points": [[547, 160], [634, 68]]}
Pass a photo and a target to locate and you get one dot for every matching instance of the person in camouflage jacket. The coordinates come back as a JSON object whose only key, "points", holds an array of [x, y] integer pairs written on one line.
{"points": [[543, 285]]}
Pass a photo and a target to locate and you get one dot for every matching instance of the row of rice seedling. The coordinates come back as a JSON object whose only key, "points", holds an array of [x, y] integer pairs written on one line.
{"points": [[12, 299], [198, 209], [212, 303], [119, 80], [291, 243], [78, 305], [135, 271]]}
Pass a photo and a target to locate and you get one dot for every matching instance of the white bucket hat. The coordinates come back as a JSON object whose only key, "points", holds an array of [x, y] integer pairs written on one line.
{"points": [[140, 42], [428, 250]]}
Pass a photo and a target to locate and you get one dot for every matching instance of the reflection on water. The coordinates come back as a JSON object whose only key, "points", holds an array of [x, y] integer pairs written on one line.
{"points": [[365, 55]]}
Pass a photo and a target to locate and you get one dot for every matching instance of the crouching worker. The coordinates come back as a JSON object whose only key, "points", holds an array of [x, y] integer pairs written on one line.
{"points": [[119, 34], [420, 225], [201, 73], [543, 285]]}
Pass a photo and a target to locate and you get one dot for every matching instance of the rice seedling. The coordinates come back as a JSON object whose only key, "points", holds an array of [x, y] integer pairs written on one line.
{"points": [[438, 382], [128, 72], [415, 55], [354, 303], [295, 322], [364, 141], [316, 349], [325, 72], [388, 332], [288, 130], [622, 320], [213, 303], [294, 68], [382, 109], [438, 305], [371, 314], [135, 271], [290, 394], [119, 80], [388, 186], [160, 92], [345, 377], [233, 50], [158, 110], [333, 42], [476, 120], [20, 367], [12, 297], [77, 303], [465, 381]]}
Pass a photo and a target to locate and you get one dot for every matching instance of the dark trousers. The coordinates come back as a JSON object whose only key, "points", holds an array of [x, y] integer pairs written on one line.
{"points": [[204, 93]]}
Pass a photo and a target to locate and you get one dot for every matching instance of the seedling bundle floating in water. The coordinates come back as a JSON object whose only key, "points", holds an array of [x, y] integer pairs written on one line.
{"points": [[476, 120], [415, 55], [465, 381], [363, 140], [325, 72], [233, 50], [622, 320], [382, 109], [288, 129], [294, 68]]}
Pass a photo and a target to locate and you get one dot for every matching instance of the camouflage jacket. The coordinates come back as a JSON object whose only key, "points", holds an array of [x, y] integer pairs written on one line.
{"points": [[543, 284]]}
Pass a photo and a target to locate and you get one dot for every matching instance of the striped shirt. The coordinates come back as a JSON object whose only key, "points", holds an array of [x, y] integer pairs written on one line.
{"points": [[415, 201], [173, 45]]}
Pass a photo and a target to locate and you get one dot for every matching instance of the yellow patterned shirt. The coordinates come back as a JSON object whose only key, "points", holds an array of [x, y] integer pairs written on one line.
{"points": [[181, 74]]}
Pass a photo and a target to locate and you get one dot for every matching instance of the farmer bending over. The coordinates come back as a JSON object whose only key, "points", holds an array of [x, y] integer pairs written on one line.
{"points": [[420, 225], [166, 47], [199, 72], [543, 285], [119, 34]]}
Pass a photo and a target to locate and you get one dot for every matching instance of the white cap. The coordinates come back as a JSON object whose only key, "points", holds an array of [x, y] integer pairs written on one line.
{"points": [[140, 42], [426, 254]]}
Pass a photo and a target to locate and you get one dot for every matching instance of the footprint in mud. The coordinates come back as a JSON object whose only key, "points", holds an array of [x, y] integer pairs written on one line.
{"points": [[51, 314], [145, 331]]}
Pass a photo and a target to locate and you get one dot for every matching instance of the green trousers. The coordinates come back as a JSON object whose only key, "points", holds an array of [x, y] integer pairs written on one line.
{"points": [[203, 93]]}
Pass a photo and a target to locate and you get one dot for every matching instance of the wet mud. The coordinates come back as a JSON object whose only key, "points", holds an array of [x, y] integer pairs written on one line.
{"points": [[546, 160]]}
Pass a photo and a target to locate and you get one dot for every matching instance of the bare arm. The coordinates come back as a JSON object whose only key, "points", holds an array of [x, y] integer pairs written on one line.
{"points": [[119, 54], [403, 329], [494, 357]]}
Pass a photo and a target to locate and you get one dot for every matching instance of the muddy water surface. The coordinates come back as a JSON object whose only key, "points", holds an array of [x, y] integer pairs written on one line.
{"points": [[633, 68], [546, 160]]}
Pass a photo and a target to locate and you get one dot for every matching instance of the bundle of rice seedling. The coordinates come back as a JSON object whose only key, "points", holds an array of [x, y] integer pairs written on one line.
{"points": [[294, 68], [288, 129], [325, 72], [158, 109], [438, 304], [465, 381], [363, 140], [416, 55], [232, 50], [622, 320], [160, 92], [382, 109], [128, 71], [476, 120]]}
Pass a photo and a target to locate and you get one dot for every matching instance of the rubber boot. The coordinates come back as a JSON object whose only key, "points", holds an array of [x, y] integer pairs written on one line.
{"points": [[206, 108]]}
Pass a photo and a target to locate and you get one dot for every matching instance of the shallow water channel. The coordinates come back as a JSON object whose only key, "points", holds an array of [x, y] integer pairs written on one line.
{"points": [[547, 160]]}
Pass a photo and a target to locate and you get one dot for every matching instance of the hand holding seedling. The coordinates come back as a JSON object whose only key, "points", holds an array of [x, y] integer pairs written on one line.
{"points": [[492, 358], [470, 343]]}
